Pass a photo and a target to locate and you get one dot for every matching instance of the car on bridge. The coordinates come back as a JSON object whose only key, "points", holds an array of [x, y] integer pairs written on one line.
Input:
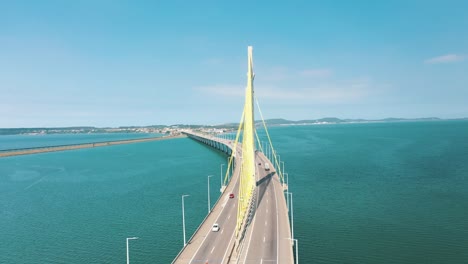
{"points": [[231, 195], [215, 228]]}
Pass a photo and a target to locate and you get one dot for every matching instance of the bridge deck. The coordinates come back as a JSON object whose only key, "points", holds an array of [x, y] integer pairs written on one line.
{"points": [[267, 236], [206, 246]]}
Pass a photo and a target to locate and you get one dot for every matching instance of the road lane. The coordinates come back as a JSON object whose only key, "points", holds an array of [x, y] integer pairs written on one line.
{"points": [[215, 245], [263, 240], [267, 239]]}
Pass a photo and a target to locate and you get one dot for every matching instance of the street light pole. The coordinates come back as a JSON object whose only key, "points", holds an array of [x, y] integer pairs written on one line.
{"points": [[221, 176], [287, 192], [292, 216], [209, 203], [268, 152], [230, 163], [128, 256], [279, 162], [283, 169], [183, 216], [231, 160], [297, 249]]}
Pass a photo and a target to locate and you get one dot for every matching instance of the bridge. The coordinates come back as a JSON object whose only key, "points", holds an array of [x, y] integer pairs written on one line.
{"points": [[251, 212]]}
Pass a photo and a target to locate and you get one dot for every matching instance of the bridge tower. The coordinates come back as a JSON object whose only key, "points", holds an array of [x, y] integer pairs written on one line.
{"points": [[247, 178]]}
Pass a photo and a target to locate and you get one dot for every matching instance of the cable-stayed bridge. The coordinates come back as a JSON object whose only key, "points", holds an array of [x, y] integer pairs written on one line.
{"points": [[252, 213]]}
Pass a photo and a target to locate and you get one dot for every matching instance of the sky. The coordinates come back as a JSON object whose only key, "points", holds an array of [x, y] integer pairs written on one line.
{"points": [[118, 63]]}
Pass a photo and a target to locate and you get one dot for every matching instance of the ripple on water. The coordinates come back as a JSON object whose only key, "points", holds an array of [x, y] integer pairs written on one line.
{"points": [[24, 175]]}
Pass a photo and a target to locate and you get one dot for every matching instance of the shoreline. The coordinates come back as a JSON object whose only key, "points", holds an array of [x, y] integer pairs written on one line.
{"points": [[18, 152]]}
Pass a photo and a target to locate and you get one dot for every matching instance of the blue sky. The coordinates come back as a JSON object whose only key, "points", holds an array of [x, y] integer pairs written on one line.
{"points": [[113, 63]]}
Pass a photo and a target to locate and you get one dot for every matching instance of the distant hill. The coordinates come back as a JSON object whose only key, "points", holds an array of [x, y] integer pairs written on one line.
{"points": [[335, 120], [269, 122], [277, 121]]}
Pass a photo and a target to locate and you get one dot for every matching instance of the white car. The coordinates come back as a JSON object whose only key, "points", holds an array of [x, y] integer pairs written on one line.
{"points": [[215, 228]]}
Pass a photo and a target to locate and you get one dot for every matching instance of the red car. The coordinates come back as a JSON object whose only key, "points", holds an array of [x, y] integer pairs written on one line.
{"points": [[231, 195]]}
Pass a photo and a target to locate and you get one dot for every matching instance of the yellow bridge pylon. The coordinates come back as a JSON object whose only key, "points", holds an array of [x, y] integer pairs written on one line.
{"points": [[247, 161], [247, 178]]}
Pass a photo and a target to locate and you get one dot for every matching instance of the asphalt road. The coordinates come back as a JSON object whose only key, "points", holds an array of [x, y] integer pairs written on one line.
{"points": [[215, 246], [211, 247], [267, 239]]}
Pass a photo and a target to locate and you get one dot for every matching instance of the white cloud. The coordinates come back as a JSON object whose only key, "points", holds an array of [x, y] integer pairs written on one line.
{"points": [[279, 73], [274, 74], [445, 59], [330, 92]]}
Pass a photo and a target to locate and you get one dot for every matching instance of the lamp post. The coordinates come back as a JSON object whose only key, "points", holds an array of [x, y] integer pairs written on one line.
{"points": [[292, 216], [279, 162], [128, 257], [269, 153], [221, 176], [287, 192], [209, 203], [232, 160], [183, 216], [230, 165], [283, 169], [297, 250]]}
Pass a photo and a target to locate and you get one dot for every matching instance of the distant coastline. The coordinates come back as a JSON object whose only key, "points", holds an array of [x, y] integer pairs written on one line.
{"points": [[174, 129], [334, 120], [27, 151]]}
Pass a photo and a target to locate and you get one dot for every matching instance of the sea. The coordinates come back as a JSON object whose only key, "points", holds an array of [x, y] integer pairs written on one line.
{"points": [[362, 193], [10, 142]]}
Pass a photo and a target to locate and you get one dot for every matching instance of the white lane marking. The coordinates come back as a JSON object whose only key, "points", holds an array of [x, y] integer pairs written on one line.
{"points": [[225, 201], [267, 211], [265, 222], [267, 200], [229, 216], [213, 249], [233, 233], [261, 261], [264, 239], [222, 231]]}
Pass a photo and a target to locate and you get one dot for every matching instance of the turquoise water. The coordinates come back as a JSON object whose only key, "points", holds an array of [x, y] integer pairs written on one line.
{"points": [[34, 141], [379, 193], [363, 193]]}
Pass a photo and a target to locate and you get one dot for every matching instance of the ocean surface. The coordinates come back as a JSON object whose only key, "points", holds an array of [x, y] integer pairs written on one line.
{"points": [[363, 193], [33, 141]]}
